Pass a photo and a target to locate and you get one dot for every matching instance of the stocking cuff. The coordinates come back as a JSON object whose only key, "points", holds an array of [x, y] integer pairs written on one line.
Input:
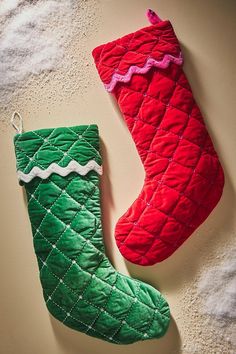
{"points": [[40, 153], [136, 53]]}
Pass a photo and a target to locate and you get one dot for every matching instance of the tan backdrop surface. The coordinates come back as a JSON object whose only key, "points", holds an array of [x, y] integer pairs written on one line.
{"points": [[207, 32]]}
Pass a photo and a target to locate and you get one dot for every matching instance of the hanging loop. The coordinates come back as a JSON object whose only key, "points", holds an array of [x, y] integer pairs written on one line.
{"points": [[153, 17], [17, 122]]}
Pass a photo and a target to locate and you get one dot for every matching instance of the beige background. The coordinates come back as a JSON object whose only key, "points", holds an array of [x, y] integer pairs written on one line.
{"points": [[207, 32]]}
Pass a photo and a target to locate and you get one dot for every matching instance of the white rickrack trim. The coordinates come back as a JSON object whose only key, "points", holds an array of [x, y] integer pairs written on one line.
{"points": [[73, 166]]}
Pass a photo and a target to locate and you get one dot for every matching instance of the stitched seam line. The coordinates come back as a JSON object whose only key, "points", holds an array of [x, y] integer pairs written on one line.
{"points": [[48, 142], [101, 253], [185, 126]]}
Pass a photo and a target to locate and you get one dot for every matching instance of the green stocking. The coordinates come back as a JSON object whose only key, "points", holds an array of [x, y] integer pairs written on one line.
{"points": [[59, 169]]}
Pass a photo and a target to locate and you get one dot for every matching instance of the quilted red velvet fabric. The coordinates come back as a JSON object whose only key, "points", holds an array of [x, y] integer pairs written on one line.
{"points": [[184, 178]]}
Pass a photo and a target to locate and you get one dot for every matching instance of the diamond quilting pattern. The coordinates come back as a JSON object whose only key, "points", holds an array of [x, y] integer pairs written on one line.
{"points": [[134, 49], [49, 149], [184, 179], [80, 286]]}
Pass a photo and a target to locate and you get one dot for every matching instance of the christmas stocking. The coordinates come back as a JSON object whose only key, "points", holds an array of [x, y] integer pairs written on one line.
{"points": [[184, 178], [59, 169]]}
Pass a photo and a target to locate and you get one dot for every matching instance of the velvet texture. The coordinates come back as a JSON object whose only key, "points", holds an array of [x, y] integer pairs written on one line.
{"points": [[184, 178], [80, 287]]}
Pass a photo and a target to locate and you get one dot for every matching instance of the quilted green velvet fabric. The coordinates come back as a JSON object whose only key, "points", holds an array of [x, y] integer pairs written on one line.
{"points": [[59, 169]]}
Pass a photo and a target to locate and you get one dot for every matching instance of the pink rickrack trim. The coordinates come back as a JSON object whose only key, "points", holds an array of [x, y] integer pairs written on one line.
{"points": [[134, 69]]}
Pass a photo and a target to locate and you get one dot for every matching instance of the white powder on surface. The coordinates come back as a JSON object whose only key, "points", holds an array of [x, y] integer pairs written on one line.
{"points": [[216, 290], [33, 38], [217, 286], [207, 312], [7, 6]]}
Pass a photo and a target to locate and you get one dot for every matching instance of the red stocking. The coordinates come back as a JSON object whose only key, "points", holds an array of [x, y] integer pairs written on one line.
{"points": [[184, 178]]}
